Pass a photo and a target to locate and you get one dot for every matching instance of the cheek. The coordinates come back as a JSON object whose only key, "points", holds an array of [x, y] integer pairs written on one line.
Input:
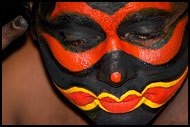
{"points": [[163, 54], [168, 51], [74, 61]]}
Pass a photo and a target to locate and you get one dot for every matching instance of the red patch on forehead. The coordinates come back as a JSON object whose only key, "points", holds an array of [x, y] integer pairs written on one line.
{"points": [[83, 8], [108, 23]]}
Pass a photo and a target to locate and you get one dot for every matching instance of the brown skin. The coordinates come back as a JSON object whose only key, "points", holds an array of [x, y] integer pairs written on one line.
{"points": [[28, 96], [176, 113], [13, 30]]}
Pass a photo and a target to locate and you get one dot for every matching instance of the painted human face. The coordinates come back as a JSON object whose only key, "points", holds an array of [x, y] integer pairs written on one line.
{"points": [[118, 62]]}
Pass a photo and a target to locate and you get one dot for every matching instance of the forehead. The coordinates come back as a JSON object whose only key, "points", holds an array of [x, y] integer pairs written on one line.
{"points": [[107, 7], [102, 16], [53, 9], [95, 8]]}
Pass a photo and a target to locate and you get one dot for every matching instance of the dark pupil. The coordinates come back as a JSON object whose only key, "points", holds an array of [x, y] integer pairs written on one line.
{"points": [[78, 42]]}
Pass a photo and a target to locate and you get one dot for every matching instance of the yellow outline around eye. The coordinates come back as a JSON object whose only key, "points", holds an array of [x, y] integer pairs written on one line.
{"points": [[147, 102]]}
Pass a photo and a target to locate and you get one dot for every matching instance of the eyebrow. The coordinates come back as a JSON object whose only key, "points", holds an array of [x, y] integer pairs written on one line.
{"points": [[152, 18], [73, 18], [76, 19], [144, 14]]}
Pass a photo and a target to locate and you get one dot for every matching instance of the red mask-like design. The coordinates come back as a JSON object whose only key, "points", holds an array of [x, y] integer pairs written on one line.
{"points": [[147, 85], [83, 60]]}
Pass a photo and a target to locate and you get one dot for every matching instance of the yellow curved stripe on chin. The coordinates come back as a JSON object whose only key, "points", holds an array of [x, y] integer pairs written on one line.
{"points": [[147, 102]]}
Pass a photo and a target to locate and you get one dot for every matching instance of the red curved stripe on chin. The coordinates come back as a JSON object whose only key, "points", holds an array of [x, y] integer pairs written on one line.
{"points": [[80, 98], [160, 95]]}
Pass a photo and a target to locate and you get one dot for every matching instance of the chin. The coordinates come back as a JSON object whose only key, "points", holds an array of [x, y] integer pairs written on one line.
{"points": [[140, 116]]}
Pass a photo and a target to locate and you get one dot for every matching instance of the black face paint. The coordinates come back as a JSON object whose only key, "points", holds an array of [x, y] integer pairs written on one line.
{"points": [[92, 78], [73, 35], [107, 7], [136, 75], [147, 25]]}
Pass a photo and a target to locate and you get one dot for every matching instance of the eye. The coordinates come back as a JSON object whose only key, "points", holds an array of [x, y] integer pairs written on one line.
{"points": [[78, 43], [143, 39], [145, 28], [82, 42], [144, 33]]}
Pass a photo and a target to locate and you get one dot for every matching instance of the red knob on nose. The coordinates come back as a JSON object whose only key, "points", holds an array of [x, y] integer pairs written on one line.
{"points": [[116, 77]]}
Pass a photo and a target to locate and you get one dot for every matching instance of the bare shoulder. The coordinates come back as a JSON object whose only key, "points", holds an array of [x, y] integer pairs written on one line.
{"points": [[27, 97]]}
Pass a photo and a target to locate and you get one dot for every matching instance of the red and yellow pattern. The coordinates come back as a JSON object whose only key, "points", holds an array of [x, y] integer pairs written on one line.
{"points": [[154, 95]]}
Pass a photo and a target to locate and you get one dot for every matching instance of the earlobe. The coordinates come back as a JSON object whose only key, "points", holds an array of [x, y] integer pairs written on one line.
{"points": [[30, 14], [27, 8], [28, 5]]}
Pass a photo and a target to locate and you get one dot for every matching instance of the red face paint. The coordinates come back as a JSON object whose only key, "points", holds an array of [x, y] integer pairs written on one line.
{"points": [[116, 77], [80, 61]]}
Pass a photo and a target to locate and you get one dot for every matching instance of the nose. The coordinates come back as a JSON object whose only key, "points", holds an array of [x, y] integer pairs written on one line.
{"points": [[116, 77], [115, 69]]}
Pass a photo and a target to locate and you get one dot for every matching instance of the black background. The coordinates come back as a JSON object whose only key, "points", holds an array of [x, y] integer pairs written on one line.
{"points": [[10, 10]]}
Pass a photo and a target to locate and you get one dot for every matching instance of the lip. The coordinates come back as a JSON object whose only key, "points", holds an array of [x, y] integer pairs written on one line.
{"points": [[154, 95], [123, 106]]}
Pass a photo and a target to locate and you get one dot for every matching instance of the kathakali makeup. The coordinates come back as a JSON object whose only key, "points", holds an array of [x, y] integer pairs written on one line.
{"points": [[118, 62]]}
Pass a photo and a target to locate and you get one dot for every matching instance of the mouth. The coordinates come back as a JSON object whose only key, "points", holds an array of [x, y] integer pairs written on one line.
{"points": [[154, 95]]}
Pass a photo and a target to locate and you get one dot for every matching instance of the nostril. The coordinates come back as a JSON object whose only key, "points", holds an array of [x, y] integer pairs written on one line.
{"points": [[115, 69], [115, 77]]}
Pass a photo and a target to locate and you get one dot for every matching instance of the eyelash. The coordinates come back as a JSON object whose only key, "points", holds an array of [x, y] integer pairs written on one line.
{"points": [[134, 36], [83, 42], [78, 42], [142, 37]]}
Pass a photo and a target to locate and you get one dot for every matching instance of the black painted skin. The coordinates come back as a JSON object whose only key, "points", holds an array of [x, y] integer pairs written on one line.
{"points": [[136, 76]]}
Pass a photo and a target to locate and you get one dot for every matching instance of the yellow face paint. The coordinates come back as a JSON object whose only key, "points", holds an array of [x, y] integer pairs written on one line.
{"points": [[154, 95]]}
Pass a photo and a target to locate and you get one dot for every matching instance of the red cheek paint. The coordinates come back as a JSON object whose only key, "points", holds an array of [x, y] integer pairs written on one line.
{"points": [[74, 61], [83, 60], [162, 55], [80, 61]]}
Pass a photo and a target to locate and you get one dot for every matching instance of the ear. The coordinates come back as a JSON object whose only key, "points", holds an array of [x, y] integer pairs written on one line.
{"points": [[27, 9], [30, 11], [30, 4]]}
